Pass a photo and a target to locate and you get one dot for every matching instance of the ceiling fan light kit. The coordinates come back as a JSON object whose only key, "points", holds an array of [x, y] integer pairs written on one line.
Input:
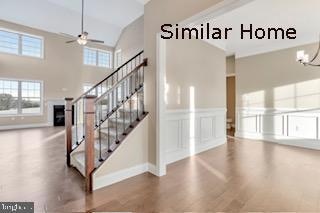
{"points": [[82, 39]]}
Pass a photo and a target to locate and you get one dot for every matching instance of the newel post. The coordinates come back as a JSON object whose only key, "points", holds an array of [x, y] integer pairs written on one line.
{"points": [[68, 127], [89, 113]]}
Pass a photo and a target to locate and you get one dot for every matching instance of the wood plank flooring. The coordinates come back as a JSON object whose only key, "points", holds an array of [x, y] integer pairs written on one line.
{"points": [[240, 176]]}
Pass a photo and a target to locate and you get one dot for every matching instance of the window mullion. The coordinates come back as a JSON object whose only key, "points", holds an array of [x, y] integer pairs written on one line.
{"points": [[20, 45], [97, 58], [19, 98]]}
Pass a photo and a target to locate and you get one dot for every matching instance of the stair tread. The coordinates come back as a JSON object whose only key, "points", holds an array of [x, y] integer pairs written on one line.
{"points": [[79, 157], [120, 120], [127, 110]]}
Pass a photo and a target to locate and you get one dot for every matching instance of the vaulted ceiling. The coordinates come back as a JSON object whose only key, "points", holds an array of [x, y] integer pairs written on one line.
{"points": [[104, 19]]}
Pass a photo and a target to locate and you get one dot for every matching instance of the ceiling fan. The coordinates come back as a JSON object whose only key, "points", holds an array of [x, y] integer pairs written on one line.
{"points": [[82, 39]]}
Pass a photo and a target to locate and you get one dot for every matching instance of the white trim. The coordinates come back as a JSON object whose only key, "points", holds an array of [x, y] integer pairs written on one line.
{"points": [[231, 75], [295, 127], [118, 176], [117, 63], [288, 141], [160, 107], [176, 156], [198, 110], [189, 132], [153, 169], [24, 126], [214, 11]]}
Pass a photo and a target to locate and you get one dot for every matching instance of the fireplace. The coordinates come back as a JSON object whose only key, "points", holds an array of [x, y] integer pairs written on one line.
{"points": [[58, 115]]}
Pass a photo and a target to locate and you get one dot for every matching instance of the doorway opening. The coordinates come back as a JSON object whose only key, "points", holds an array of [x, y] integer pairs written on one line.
{"points": [[231, 96]]}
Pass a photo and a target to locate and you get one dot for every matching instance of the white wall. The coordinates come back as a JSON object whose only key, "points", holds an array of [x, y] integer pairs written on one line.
{"points": [[129, 159], [270, 87], [61, 70], [195, 98], [131, 39]]}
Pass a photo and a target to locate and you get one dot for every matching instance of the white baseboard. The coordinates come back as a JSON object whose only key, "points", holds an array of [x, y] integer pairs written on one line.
{"points": [[121, 175], [185, 153], [24, 126], [283, 140], [153, 169]]}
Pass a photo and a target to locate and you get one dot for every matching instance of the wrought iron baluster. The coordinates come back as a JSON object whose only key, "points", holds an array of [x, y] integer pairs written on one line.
{"points": [[123, 108], [117, 138], [109, 147], [76, 121], [100, 154], [137, 94]]}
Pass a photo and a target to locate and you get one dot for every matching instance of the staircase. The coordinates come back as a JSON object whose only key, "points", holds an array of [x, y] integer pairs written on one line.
{"points": [[100, 119]]}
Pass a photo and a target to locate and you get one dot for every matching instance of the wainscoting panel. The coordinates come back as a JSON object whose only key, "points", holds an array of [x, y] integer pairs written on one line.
{"points": [[289, 127], [272, 124], [172, 134], [302, 126], [248, 123], [191, 132]]}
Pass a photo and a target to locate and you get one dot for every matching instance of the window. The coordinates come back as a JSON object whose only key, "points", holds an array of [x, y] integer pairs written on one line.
{"points": [[87, 87], [99, 90], [118, 58], [96, 57], [21, 44], [20, 97]]}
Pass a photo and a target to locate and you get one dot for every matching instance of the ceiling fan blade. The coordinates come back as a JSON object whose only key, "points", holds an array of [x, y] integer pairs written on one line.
{"points": [[68, 42], [67, 35], [96, 41]]}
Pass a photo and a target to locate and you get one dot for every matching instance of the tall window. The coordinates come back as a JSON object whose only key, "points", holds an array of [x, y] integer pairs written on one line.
{"points": [[97, 57], [21, 44], [97, 91], [20, 97], [118, 58]]}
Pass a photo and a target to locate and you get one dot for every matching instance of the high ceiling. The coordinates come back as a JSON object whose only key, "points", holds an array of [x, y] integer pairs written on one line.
{"points": [[302, 15], [104, 19]]}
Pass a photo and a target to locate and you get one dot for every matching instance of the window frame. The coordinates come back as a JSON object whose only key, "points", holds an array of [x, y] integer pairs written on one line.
{"points": [[97, 51], [19, 109], [20, 34], [117, 59]]}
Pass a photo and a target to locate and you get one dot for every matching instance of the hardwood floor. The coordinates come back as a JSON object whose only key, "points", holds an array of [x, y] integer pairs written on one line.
{"points": [[240, 176]]}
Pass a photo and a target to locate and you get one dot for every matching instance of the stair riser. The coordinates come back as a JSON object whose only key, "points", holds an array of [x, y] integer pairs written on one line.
{"points": [[127, 114], [104, 136], [119, 124]]}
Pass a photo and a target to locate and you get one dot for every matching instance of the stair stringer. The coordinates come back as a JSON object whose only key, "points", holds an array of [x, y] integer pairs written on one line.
{"points": [[128, 160], [74, 162]]}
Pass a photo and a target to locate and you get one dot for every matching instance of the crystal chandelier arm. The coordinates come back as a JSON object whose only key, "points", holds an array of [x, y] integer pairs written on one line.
{"points": [[317, 54], [313, 65]]}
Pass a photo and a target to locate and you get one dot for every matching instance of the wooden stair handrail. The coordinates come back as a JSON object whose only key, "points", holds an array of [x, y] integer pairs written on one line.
{"points": [[109, 76], [143, 64]]}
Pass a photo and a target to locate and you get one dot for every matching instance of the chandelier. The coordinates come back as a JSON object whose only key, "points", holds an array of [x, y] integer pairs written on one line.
{"points": [[303, 58]]}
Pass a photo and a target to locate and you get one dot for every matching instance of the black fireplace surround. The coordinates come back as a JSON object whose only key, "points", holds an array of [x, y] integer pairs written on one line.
{"points": [[59, 115]]}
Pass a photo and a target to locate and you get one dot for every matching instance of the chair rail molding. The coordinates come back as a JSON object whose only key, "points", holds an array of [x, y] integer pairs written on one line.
{"points": [[189, 132], [296, 127]]}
